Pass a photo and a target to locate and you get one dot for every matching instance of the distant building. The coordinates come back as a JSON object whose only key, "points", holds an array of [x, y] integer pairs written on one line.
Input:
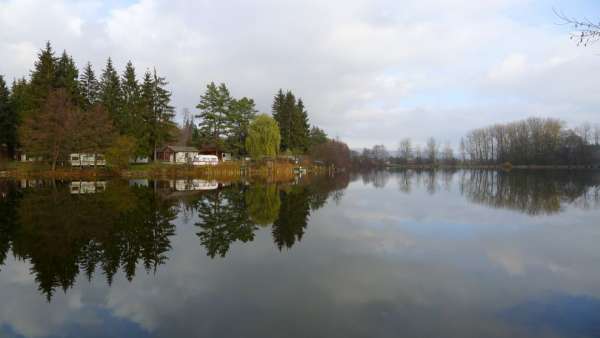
{"points": [[177, 154]]}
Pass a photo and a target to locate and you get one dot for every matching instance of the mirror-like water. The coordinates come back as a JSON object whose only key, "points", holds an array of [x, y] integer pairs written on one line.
{"points": [[379, 254]]}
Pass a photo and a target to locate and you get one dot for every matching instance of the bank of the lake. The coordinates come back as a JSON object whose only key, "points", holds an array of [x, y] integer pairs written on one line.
{"points": [[490, 166], [276, 171]]}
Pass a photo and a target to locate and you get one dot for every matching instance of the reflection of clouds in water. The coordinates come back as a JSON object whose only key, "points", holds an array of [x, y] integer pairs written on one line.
{"points": [[379, 263]]}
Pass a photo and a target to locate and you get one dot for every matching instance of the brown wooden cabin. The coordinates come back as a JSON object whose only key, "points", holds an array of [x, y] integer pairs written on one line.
{"points": [[177, 154]]}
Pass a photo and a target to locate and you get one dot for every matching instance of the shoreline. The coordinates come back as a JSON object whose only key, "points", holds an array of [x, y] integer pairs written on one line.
{"points": [[494, 167], [277, 171]]}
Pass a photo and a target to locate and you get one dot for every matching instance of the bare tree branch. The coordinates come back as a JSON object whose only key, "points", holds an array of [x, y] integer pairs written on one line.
{"points": [[586, 31]]}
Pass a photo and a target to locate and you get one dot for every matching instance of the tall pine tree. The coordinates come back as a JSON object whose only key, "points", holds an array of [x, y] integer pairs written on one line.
{"points": [[240, 114], [214, 108], [111, 96], [89, 87], [67, 76], [8, 120], [300, 129], [43, 77], [132, 104], [292, 119], [158, 112]]}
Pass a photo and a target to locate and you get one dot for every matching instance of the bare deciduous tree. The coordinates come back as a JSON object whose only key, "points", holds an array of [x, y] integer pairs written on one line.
{"points": [[432, 150], [405, 149]]}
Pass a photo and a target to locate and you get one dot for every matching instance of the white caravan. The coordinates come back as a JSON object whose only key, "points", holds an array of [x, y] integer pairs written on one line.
{"points": [[87, 160], [205, 160]]}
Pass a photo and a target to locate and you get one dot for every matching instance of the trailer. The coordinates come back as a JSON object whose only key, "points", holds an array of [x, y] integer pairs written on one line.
{"points": [[205, 160], [87, 160]]}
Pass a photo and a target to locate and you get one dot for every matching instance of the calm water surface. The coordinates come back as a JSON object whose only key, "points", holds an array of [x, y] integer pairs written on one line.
{"points": [[381, 254]]}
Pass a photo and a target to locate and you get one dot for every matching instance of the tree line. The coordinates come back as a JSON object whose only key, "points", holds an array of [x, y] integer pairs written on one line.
{"points": [[540, 141], [533, 141], [59, 109]]}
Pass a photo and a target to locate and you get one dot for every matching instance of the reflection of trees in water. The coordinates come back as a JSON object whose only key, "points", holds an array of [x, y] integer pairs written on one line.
{"points": [[263, 203], [379, 178], [541, 192], [62, 234], [223, 219], [234, 213], [9, 199], [533, 192], [293, 216], [431, 180]]}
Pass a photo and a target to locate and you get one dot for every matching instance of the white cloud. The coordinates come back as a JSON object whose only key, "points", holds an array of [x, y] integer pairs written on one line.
{"points": [[369, 71]]}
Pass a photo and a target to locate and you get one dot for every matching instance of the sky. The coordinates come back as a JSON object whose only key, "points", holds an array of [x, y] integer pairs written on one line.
{"points": [[369, 72]]}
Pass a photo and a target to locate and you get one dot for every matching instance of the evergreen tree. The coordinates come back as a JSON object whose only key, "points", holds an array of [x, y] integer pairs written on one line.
{"points": [[316, 137], [214, 107], [8, 120], [67, 76], [111, 96], [282, 114], [132, 104], [241, 113], [89, 87], [158, 113], [293, 122], [43, 77], [300, 129]]}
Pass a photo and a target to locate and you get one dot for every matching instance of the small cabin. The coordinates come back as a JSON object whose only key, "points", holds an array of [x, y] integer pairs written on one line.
{"points": [[177, 154], [86, 160]]}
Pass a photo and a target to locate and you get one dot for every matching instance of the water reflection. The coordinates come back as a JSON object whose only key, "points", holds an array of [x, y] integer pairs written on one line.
{"points": [[327, 257], [62, 234], [67, 228], [541, 192]]}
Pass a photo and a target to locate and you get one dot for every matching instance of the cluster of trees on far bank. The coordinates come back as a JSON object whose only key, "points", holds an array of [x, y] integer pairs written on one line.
{"points": [[540, 141], [234, 125], [533, 141], [60, 110]]}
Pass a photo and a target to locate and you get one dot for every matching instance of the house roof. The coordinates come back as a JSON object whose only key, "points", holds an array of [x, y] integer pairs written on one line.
{"points": [[182, 149]]}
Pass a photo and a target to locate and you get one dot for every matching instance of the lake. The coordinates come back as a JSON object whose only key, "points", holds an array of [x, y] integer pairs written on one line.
{"points": [[375, 254]]}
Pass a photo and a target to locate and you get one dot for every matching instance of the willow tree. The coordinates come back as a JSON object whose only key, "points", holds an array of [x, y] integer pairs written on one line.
{"points": [[263, 137]]}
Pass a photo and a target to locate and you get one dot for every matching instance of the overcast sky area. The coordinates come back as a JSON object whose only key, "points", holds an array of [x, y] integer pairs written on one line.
{"points": [[369, 71]]}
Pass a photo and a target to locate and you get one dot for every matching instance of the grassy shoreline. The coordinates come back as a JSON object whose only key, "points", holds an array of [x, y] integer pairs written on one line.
{"points": [[223, 171]]}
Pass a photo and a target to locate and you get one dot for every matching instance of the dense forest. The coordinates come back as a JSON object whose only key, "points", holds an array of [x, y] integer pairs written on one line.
{"points": [[59, 110]]}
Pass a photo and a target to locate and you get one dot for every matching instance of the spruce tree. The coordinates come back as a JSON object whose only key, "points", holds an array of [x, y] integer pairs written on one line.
{"points": [[214, 107], [67, 76], [240, 114], [43, 76], [8, 120], [292, 119], [111, 96], [279, 114], [130, 89], [89, 87], [158, 113], [300, 129]]}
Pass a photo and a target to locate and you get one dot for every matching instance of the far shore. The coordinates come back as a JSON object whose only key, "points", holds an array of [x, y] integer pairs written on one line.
{"points": [[491, 167]]}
